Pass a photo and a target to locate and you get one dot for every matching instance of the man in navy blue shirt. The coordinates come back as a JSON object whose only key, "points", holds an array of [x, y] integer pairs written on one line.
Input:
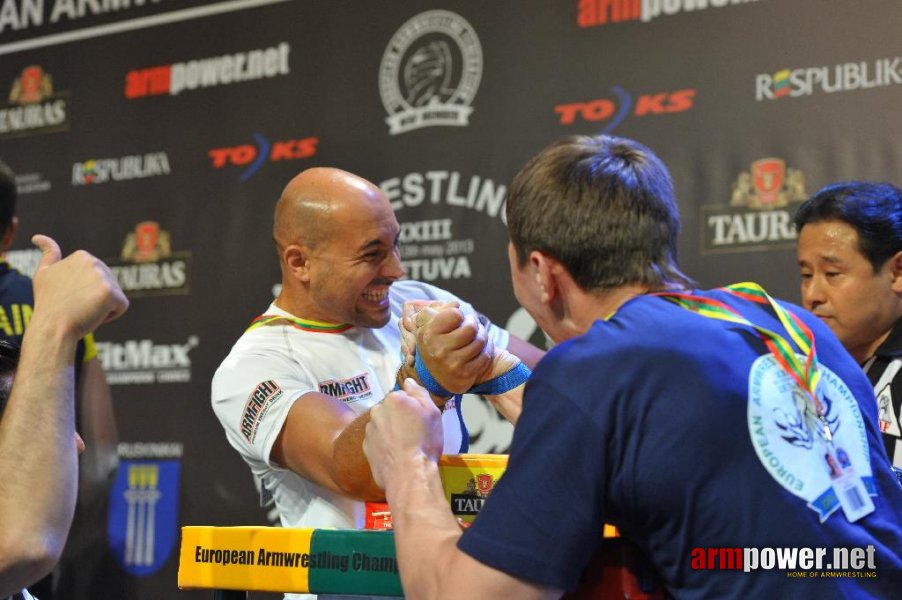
{"points": [[726, 434]]}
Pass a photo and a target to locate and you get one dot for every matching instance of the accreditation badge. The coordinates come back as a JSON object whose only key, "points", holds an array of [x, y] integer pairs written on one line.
{"points": [[793, 447]]}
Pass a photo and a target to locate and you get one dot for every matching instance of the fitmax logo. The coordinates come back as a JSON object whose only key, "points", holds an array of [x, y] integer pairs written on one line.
{"points": [[254, 156]]}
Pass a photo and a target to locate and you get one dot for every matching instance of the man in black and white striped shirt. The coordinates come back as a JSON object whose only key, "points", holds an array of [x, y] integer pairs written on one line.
{"points": [[850, 256]]}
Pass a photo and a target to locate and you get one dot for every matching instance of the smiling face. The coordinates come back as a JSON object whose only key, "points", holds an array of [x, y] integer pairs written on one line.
{"points": [[840, 286], [351, 272]]}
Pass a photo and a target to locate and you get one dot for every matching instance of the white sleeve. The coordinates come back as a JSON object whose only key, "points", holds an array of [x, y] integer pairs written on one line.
{"points": [[251, 395]]}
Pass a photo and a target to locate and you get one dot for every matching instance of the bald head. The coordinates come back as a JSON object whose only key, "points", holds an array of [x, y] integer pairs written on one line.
{"points": [[315, 200]]}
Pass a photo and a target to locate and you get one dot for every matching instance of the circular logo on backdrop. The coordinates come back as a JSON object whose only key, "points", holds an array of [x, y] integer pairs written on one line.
{"points": [[430, 72], [790, 441]]}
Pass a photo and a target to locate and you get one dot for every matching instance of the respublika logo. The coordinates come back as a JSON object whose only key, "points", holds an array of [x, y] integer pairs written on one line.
{"points": [[615, 110], [758, 217], [145, 361], [250, 65], [430, 72], [33, 106], [252, 157], [601, 12], [135, 166], [142, 524], [148, 267], [844, 77]]}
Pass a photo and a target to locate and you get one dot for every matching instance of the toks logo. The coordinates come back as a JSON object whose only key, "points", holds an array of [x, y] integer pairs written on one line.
{"points": [[255, 156], [33, 107], [759, 218], [208, 72], [621, 107]]}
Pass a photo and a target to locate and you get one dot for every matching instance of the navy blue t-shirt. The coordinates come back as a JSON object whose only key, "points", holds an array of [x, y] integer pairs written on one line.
{"points": [[681, 430]]}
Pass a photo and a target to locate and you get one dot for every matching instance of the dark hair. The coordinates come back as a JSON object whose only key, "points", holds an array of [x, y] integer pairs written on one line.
{"points": [[9, 360], [604, 206], [874, 210], [8, 195]]}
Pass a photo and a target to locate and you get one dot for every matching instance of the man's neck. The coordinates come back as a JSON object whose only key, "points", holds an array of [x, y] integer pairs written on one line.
{"points": [[301, 310], [864, 353], [592, 306]]}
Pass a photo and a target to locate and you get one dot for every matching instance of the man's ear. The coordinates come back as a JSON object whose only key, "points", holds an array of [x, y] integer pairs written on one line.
{"points": [[7, 239], [895, 268], [546, 269], [297, 259]]}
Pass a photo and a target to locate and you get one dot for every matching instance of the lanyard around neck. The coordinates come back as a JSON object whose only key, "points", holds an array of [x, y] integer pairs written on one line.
{"points": [[805, 374]]}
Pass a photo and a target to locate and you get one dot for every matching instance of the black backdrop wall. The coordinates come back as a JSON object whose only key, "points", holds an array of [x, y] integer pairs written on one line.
{"points": [[158, 135]]}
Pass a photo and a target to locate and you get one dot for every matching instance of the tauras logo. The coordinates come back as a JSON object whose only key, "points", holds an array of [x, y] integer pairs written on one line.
{"points": [[147, 265], [144, 361], [33, 108], [758, 217]]}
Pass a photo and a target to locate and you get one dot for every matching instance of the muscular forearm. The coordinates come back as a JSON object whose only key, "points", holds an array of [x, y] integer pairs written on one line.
{"points": [[425, 530], [426, 535], [350, 468], [509, 404], [98, 429], [38, 462]]}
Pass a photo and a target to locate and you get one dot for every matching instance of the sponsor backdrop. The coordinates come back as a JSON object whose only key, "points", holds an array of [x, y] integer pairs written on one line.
{"points": [[158, 134]]}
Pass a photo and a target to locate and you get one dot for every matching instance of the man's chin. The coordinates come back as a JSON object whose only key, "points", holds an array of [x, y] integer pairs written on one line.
{"points": [[373, 320]]}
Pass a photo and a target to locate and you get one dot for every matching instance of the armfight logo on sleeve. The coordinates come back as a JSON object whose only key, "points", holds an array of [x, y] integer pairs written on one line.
{"points": [[142, 524], [348, 390], [258, 404], [430, 72]]}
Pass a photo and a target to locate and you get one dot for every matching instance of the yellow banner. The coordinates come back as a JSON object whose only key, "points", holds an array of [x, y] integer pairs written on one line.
{"points": [[272, 559]]}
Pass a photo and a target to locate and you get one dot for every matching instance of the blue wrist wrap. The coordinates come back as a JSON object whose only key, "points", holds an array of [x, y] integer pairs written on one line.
{"points": [[428, 381], [504, 382]]}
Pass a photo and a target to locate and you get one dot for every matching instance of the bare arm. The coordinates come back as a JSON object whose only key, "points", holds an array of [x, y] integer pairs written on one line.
{"points": [[38, 458], [322, 441], [526, 352], [403, 441], [98, 428]]}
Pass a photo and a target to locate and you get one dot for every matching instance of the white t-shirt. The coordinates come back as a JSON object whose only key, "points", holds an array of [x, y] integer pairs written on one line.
{"points": [[272, 365]]}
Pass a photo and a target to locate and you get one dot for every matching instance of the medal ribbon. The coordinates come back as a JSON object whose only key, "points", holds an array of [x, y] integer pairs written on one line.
{"points": [[303, 324], [805, 374]]}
